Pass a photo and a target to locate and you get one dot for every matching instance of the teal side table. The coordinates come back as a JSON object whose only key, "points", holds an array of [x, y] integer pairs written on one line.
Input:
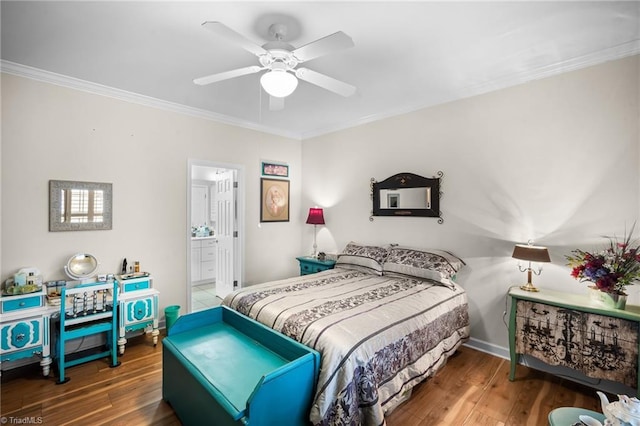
{"points": [[311, 265], [567, 416]]}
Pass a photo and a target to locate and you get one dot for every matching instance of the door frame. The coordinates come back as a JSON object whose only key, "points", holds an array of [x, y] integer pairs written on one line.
{"points": [[240, 211]]}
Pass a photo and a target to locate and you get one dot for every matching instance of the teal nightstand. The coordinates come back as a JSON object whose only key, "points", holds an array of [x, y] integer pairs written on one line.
{"points": [[311, 265]]}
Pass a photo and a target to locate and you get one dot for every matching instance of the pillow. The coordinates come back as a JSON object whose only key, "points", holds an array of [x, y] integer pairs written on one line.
{"points": [[438, 265], [362, 258]]}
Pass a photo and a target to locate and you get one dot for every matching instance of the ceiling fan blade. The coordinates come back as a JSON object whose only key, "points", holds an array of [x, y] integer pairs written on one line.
{"points": [[276, 104], [223, 31], [326, 82], [227, 75], [329, 44]]}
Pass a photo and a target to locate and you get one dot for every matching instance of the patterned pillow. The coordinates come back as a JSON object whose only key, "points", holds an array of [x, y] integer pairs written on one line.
{"points": [[362, 258], [438, 265]]}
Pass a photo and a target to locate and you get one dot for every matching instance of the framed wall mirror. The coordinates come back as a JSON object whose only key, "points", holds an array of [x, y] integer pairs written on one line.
{"points": [[407, 194], [79, 206]]}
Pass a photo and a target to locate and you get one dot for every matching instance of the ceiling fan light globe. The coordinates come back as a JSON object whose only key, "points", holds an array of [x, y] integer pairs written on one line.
{"points": [[278, 83]]}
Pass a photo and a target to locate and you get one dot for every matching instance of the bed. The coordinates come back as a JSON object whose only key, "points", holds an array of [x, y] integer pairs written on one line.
{"points": [[384, 319]]}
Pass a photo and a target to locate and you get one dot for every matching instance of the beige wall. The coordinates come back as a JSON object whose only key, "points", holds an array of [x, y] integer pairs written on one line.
{"points": [[52, 132], [554, 160]]}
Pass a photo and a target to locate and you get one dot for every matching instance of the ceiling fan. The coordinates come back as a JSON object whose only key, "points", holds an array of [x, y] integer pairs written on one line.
{"points": [[281, 61]]}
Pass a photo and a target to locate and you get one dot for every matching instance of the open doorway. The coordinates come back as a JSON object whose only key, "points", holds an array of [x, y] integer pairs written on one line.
{"points": [[215, 217]]}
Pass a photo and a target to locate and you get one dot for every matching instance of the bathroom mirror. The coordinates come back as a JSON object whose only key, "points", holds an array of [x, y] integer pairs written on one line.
{"points": [[79, 206], [407, 194]]}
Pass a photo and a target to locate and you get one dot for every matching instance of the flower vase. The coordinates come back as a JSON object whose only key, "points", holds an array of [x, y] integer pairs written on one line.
{"points": [[606, 299]]}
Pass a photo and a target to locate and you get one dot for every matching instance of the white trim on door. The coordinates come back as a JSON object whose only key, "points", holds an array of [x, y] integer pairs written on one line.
{"points": [[240, 197]]}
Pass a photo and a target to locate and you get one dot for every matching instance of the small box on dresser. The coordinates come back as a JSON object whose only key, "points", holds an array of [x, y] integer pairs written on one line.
{"points": [[138, 308]]}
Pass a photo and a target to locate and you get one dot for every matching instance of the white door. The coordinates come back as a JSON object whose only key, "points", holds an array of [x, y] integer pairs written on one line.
{"points": [[225, 206]]}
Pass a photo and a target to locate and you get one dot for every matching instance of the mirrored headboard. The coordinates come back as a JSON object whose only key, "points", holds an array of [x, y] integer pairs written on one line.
{"points": [[407, 194], [79, 206]]}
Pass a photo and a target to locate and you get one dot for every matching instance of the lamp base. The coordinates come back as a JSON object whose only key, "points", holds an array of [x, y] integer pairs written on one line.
{"points": [[528, 287]]}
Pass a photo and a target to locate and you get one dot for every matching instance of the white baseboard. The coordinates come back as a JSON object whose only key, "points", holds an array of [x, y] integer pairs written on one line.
{"points": [[487, 347]]}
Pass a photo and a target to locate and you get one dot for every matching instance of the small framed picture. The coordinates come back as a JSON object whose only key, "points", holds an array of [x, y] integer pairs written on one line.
{"points": [[393, 200], [274, 200], [275, 169]]}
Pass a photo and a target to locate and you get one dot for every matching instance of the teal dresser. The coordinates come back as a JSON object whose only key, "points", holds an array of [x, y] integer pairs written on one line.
{"points": [[24, 329], [138, 308]]}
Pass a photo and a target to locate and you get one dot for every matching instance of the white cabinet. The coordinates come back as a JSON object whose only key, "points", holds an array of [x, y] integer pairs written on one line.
{"points": [[195, 260], [203, 260], [208, 260], [199, 205]]}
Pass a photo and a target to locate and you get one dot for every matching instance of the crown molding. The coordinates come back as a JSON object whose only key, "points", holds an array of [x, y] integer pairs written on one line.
{"points": [[611, 54], [606, 55], [123, 95], [510, 80]]}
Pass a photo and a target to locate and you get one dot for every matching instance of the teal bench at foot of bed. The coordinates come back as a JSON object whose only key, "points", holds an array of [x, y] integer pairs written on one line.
{"points": [[222, 368]]}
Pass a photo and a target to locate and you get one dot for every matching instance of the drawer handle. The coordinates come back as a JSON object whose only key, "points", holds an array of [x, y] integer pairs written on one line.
{"points": [[22, 304], [20, 337]]}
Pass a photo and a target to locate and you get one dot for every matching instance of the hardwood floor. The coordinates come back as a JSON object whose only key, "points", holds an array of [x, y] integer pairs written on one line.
{"points": [[473, 389]]}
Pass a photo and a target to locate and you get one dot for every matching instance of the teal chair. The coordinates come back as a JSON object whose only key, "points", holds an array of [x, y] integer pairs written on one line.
{"points": [[85, 310]]}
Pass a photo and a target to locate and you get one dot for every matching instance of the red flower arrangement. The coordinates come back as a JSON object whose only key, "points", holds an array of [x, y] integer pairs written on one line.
{"points": [[611, 269]]}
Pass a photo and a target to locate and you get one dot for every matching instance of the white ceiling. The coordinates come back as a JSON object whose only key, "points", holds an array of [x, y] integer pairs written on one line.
{"points": [[407, 55]]}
